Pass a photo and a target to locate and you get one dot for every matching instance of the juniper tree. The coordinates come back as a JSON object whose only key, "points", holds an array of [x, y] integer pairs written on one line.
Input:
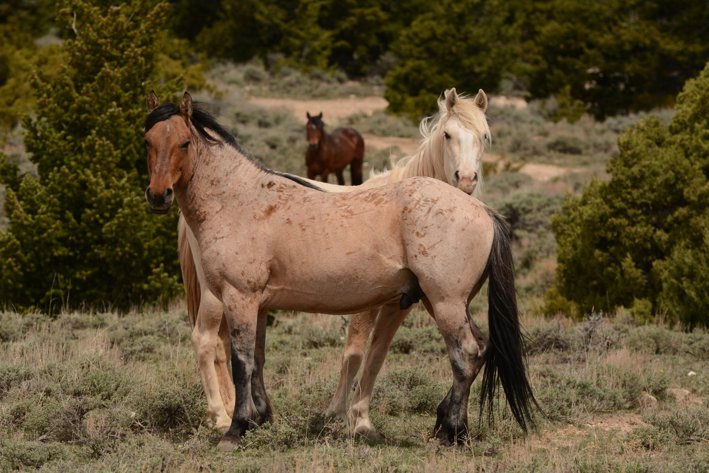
{"points": [[642, 238], [79, 231]]}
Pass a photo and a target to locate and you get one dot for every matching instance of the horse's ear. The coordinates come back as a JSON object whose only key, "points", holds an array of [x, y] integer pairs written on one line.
{"points": [[451, 98], [481, 100], [186, 106], [320, 115], [307, 114], [152, 101]]}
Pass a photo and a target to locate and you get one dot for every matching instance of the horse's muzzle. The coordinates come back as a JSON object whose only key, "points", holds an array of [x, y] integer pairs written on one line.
{"points": [[466, 183], [159, 204]]}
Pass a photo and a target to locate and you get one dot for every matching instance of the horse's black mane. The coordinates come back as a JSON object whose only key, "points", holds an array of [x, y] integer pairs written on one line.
{"points": [[202, 121]]}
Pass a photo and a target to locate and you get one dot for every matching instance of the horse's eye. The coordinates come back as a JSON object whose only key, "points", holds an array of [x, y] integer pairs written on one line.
{"points": [[185, 145], [446, 135], [147, 145]]}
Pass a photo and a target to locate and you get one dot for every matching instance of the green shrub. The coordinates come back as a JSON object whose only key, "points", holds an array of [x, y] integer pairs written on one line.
{"points": [[685, 424], [11, 375], [139, 339], [21, 454], [79, 233], [407, 390], [170, 404], [14, 326], [643, 234], [420, 340]]}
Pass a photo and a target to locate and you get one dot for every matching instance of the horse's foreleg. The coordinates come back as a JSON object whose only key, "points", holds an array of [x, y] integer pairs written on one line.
{"points": [[388, 321], [241, 311], [206, 342], [360, 327], [340, 177], [466, 358]]}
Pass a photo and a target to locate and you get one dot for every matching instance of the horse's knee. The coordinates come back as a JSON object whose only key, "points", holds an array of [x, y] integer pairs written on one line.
{"points": [[352, 359]]}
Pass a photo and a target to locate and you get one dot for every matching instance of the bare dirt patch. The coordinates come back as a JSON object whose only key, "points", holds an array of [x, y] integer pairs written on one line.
{"points": [[571, 435], [544, 172], [407, 146], [333, 110]]}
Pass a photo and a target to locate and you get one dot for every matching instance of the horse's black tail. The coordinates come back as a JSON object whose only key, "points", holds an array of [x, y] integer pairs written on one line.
{"points": [[505, 357]]}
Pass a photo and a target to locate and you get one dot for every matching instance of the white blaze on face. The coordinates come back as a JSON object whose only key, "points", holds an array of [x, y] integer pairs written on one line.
{"points": [[462, 154]]}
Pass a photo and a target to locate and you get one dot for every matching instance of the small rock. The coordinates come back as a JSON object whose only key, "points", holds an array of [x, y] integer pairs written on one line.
{"points": [[647, 400], [691, 373]]}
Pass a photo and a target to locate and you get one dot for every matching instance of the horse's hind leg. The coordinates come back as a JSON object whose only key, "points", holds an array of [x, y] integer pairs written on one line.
{"points": [[467, 358], [360, 327], [206, 342], [258, 387], [388, 321], [340, 177], [223, 369]]}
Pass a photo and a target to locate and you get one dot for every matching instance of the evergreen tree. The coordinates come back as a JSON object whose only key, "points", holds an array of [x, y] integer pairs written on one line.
{"points": [[466, 44], [614, 56], [641, 238], [79, 233]]}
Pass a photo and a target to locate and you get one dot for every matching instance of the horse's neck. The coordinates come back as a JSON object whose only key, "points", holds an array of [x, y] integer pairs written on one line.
{"points": [[312, 154], [422, 163], [221, 177]]}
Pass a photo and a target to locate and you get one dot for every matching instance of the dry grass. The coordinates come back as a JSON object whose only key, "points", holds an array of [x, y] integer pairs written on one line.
{"points": [[74, 394]]}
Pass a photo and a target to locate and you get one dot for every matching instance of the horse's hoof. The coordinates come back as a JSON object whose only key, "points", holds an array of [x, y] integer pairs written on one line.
{"points": [[368, 434], [449, 439], [229, 443], [332, 414], [223, 427]]}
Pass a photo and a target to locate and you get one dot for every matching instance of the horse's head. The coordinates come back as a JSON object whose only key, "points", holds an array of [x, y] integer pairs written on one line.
{"points": [[168, 141], [463, 133], [314, 129]]}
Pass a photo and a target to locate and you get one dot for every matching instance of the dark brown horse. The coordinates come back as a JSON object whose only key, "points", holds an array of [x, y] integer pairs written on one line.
{"points": [[331, 152]]}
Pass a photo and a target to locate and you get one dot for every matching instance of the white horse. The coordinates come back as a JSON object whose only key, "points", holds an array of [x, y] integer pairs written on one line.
{"points": [[453, 141]]}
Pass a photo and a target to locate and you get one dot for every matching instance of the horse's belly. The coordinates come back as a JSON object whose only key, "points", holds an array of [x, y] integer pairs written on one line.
{"points": [[343, 293]]}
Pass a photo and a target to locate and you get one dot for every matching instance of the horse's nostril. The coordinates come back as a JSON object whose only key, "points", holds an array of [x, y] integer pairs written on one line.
{"points": [[457, 175], [168, 193]]}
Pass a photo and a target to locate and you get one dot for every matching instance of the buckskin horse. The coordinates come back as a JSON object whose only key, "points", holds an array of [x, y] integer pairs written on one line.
{"points": [[250, 224], [451, 150]]}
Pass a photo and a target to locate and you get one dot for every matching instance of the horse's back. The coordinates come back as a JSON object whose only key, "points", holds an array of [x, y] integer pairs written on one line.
{"points": [[351, 138]]}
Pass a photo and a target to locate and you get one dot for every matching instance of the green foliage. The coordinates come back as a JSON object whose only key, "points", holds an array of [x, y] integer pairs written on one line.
{"points": [[353, 36], [615, 56], [643, 234], [467, 44], [79, 233], [603, 58], [20, 23]]}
